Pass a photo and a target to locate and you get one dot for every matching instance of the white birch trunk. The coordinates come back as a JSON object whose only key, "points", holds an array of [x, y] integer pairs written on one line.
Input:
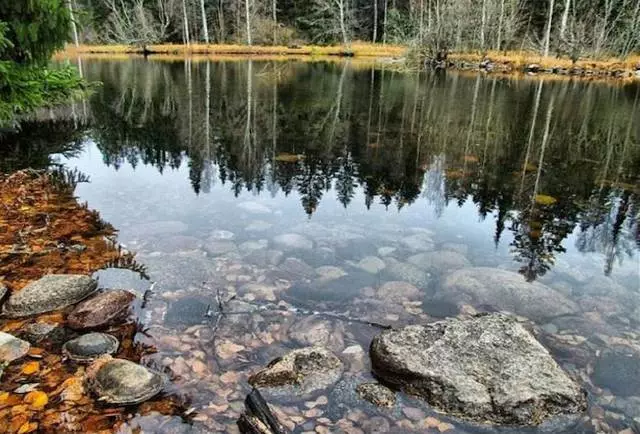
{"points": [[547, 36], [205, 29], [565, 19], [187, 40], [247, 8], [74, 28]]}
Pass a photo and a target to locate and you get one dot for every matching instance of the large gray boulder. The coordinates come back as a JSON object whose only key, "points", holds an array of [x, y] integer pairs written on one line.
{"points": [[484, 368], [506, 291], [52, 292]]}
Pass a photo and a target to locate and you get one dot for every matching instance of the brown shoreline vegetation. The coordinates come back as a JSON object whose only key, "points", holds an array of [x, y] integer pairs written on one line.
{"points": [[44, 230], [511, 62]]}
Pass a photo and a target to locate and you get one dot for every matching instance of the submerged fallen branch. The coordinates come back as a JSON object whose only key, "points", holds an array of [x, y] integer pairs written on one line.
{"points": [[258, 417]]}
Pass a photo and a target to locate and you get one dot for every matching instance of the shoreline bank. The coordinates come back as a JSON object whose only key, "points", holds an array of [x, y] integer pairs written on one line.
{"points": [[509, 63]]}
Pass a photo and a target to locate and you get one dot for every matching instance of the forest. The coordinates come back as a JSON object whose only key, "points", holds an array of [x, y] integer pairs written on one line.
{"points": [[573, 28]]}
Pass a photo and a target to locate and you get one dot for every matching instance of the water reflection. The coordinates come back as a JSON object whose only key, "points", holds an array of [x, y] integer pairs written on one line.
{"points": [[543, 159]]}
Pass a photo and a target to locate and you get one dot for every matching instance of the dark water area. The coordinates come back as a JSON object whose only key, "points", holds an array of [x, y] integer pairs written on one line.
{"points": [[298, 189]]}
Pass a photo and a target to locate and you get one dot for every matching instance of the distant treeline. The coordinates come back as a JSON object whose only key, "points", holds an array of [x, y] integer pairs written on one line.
{"points": [[574, 28]]}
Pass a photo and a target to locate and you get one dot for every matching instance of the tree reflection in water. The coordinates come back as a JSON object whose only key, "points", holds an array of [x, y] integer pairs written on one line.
{"points": [[500, 143]]}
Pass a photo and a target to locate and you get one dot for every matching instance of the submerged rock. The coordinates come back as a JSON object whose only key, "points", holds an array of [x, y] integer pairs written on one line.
{"points": [[52, 292], [101, 310], [371, 264], [294, 269], [216, 247], [299, 375], [408, 272], [377, 394], [121, 382], [485, 368], [12, 348], [439, 262], [89, 347], [293, 242], [620, 373], [505, 290], [318, 331], [419, 241], [397, 292], [328, 272]]}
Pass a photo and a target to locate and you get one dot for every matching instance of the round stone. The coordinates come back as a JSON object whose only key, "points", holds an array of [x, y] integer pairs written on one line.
{"points": [[52, 292], [101, 310], [299, 375], [377, 394], [89, 347], [12, 348], [121, 382]]}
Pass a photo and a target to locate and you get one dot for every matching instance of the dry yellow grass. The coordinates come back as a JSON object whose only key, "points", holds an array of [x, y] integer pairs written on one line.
{"points": [[364, 53], [520, 59], [357, 49]]}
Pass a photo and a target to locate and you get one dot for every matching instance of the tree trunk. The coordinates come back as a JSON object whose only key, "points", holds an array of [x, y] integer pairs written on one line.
{"points": [[483, 24], [221, 31], [343, 29], [500, 24], [386, 10], [274, 16], [74, 28], [205, 29], [375, 21], [547, 36], [565, 19], [247, 7], [186, 23]]}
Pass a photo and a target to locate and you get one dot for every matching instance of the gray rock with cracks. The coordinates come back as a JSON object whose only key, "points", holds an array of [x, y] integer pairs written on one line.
{"points": [[484, 368]]}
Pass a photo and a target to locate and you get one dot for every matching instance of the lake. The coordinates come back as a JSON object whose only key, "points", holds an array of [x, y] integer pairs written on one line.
{"points": [[286, 194]]}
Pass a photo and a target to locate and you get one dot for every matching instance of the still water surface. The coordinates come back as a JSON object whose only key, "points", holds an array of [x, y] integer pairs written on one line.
{"points": [[303, 188]]}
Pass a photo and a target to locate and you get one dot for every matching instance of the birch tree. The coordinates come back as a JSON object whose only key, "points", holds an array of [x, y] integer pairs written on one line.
{"points": [[74, 28], [205, 29], [547, 35], [247, 8], [185, 23]]}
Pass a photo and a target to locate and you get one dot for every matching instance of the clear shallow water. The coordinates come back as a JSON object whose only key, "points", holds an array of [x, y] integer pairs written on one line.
{"points": [[305, 187]]}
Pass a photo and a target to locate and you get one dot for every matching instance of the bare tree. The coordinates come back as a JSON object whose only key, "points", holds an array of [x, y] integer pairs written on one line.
{"points": [[247, 8], [274, 17], [547, 35], [565, 19], [74, 28], [135, 24], [185, 22], [205, 29], [375, 21]]}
